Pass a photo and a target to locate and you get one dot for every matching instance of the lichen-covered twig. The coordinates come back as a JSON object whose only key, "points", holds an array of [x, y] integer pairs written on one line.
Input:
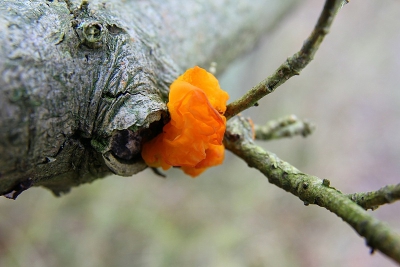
{"points": [[288, 126], [372, 200], [293, 65], [310, 189]]}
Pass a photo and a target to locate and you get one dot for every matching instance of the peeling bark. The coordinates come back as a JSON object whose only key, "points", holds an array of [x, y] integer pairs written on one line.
{"points": [[84, 83]]}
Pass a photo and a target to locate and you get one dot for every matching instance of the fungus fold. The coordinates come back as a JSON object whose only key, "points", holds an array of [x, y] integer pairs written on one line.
{"points": [[192, 139]]}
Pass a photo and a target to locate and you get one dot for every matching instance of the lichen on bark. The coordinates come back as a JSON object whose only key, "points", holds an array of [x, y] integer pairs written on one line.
{"points": [[74, 110], [85, 82]]}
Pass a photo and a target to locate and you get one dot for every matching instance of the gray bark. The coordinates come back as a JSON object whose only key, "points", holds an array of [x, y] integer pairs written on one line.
{"points": [[83, 84]]}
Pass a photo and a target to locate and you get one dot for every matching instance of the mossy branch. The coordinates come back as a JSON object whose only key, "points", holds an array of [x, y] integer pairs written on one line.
{"points": [[293, 65], [288, 126], [372, 200], [310, 189]]}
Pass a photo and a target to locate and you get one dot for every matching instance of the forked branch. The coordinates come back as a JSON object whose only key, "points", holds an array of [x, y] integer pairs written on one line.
{"points": [[293, 65], [310, 189]]}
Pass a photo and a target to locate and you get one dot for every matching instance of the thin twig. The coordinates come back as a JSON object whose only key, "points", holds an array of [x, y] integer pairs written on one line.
{"points": [[310, 189], [292, 66], [372, 200], [283, 127]]}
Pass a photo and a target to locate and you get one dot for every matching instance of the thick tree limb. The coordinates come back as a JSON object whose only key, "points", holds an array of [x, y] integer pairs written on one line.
{"points": [[292, 66], [84, 83], [310, 189]]}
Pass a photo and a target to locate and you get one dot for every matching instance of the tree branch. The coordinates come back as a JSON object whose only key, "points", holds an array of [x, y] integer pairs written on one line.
{"points": [[283, 127], [310, 189], [293, 65], [372, 200], [84, 83]]}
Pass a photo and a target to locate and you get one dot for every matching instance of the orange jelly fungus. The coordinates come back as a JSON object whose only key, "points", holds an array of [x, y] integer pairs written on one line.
{"points": [[192, 139]]}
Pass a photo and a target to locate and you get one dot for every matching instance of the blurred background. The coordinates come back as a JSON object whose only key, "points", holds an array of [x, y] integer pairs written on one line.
{"points": [[231, 215]]}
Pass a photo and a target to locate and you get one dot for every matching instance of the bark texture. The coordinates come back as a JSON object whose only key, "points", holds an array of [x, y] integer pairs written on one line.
{"points": [[84, 83]]}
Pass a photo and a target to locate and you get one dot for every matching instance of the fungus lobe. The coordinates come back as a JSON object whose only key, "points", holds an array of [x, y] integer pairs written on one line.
{"points": [[192, 139]]}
